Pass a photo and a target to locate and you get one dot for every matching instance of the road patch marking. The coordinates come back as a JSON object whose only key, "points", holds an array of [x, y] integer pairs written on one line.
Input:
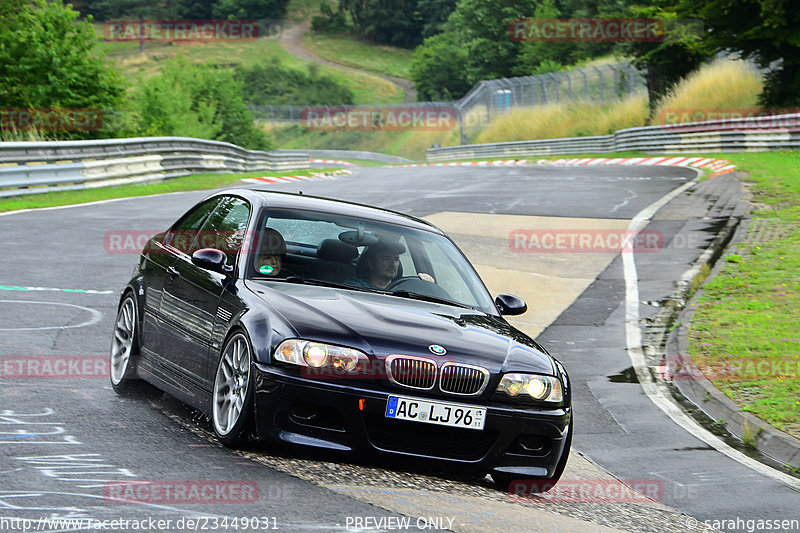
{"points": [[95, 318], [51, 289]]}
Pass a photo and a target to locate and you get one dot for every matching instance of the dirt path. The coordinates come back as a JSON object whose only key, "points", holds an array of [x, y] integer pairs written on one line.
{"points": [[291, 40]]}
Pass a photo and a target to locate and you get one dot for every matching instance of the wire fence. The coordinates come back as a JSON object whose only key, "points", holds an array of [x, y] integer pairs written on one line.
{"points": [[601, 83]]}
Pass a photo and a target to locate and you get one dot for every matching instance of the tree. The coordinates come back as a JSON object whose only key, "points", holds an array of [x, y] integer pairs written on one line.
{"points": [[250, 9], [764, 30], [434, 14], [439, 69], [134, 9], [537, 57], [398, 22], [680, 52], [47, 60]]}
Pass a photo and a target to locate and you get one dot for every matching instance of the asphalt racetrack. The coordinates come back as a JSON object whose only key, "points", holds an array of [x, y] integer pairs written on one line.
{"points": [[65, 443]]}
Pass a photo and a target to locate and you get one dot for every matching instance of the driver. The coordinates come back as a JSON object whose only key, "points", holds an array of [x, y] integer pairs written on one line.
{"points": [[382, 265], [271, 250]]}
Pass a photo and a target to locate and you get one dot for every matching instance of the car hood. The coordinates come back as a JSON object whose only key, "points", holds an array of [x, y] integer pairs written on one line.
{"points": [[382, 325]]}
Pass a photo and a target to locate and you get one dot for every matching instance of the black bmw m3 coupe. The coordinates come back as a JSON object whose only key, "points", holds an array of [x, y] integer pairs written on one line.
{"points": [[341, 326]]}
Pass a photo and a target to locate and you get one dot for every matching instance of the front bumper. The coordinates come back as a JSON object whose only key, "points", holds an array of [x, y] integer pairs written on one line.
{"points": [[350, 417]]}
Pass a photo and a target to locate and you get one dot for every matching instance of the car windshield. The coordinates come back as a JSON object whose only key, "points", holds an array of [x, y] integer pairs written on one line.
{"points": [[323, 248]]}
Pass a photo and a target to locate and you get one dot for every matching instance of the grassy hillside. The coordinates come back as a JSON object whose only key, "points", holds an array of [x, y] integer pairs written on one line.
{"points": [[347, 50], [368, 89]]}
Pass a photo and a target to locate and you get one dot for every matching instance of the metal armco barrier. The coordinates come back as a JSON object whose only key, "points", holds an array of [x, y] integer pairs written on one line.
{"points": [[779, 132], [34, 167], [353, 154]]}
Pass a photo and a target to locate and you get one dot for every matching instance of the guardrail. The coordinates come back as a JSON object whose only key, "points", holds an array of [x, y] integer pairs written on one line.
{"points": [[352, 154], [34, 167], [756, 134]]}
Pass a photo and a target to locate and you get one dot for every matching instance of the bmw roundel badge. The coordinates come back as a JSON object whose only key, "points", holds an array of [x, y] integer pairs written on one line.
{"points": [[437, 350]]}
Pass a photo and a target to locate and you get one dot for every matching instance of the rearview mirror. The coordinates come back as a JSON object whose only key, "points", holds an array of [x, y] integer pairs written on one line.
{"points": [[508, 304], [212, 259]]}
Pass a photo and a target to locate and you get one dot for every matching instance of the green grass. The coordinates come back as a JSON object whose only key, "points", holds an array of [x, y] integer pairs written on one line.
{"points": [[744, 334], [349, 50], [367, 88], [187, 183]]}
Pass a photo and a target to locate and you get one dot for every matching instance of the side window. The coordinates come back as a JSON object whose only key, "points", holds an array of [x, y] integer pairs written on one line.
{"points": [[183, 233], [225, 229]]}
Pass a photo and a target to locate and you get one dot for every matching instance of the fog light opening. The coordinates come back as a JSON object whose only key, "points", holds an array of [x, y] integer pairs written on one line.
{"points": [[532, 445], [305, 413]]}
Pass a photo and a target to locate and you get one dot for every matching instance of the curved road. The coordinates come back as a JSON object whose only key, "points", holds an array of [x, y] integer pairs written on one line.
{"points": [[68, 446]]}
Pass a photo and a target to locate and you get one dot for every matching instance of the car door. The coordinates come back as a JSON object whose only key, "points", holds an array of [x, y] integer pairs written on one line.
{"points": [[158, 258], [191, 294]]}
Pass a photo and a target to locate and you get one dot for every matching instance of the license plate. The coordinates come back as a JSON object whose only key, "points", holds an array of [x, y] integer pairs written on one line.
{"points": [[441, 413]]}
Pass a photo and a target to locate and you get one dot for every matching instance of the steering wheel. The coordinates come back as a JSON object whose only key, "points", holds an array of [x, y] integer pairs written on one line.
{"points": [[399, 281], [419, 286]]}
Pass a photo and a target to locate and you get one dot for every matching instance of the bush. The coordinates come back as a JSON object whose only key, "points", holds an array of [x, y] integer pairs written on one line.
{"points": [[274, 84], [554, 121], [721, 85], [189, 100]]}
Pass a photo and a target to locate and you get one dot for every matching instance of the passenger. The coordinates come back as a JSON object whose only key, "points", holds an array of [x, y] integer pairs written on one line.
{"points": [[271, 250]]}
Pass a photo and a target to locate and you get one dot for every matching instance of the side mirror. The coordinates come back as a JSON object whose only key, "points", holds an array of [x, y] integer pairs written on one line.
{"points": [[508, 304], [212, 259]]}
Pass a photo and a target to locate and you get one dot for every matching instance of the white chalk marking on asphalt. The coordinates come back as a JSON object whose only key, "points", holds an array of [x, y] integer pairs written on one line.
{"points": [[51, 289], [633, 337], [96, 316]]}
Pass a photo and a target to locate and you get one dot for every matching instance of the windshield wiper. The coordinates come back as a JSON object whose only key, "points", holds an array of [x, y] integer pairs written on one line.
{"points": [[307, 281], [287, 279], [425, 297]]}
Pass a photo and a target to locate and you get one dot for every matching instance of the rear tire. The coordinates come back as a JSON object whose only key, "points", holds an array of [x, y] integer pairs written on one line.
{"points": [[232, 404], [124, 346], [537, 485]]}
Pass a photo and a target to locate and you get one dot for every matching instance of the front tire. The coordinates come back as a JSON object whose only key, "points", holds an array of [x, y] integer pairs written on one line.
{"points": [[233, 391], [124, 346]]}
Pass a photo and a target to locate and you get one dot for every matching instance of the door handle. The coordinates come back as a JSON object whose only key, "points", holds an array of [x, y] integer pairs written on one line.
{"points": [[173, 272]]}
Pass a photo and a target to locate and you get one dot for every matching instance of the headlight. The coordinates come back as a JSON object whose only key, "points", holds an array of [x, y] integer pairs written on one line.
{"points": [[535, 387], [340, 359], [315, 354]]}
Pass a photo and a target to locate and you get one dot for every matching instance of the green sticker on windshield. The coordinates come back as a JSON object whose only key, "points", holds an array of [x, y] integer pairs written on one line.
{"points": [[266, 269]]}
